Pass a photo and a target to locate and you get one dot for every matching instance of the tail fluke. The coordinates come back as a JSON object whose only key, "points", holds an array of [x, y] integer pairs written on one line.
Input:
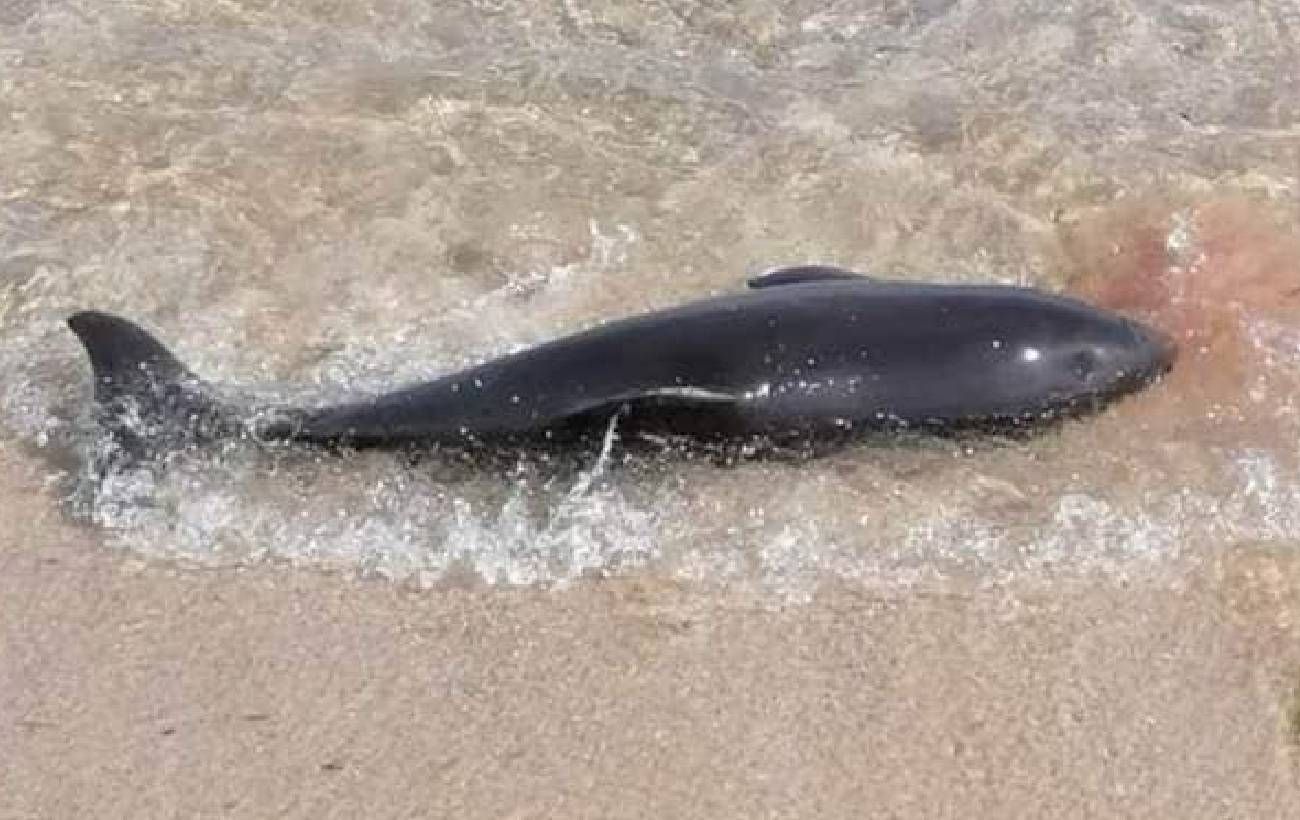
{"points": [[147, 400]]}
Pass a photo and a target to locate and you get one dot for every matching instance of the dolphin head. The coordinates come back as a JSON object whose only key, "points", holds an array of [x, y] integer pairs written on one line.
{"points": [[1071, 358], [1111, 361]]}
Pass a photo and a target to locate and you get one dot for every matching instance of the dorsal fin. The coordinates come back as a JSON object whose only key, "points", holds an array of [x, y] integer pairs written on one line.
{"points": [[800, 274]]}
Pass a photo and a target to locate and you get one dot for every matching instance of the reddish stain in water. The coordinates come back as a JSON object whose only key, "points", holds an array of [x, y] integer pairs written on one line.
{"points": [[1217, 275]]}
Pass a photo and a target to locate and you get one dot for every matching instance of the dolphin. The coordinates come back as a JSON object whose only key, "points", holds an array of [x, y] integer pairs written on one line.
{"points": [[803, 351]]}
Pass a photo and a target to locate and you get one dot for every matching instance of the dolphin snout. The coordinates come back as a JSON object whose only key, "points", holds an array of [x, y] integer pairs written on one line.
{"points": [[1156, 350]]}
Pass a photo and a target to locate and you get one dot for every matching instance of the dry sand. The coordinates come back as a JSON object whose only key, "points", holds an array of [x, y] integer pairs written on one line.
{"points": [[133, 689]]}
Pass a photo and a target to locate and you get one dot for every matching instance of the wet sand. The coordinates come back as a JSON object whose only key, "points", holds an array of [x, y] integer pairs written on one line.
{"points": [[131, 688]]}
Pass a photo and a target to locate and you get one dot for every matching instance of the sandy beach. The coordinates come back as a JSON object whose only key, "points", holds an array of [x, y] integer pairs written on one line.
{"points": [[134, 689]]}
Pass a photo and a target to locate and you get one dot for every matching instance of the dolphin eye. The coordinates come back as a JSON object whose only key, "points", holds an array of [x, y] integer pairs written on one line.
{"points": [[1083, 363]]}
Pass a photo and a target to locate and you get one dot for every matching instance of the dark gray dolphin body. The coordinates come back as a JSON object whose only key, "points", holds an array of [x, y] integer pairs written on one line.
{"points": [[803, 350]]}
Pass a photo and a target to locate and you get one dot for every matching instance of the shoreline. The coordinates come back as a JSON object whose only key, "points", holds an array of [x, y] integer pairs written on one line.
{"points": [[135, 689]]}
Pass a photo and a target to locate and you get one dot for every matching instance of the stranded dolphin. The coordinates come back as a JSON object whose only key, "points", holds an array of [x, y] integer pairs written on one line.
{"points": [[804, 350]]}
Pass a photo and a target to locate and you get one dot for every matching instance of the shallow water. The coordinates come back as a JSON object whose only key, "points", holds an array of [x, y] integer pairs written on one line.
{"points": [[310, 202]]}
